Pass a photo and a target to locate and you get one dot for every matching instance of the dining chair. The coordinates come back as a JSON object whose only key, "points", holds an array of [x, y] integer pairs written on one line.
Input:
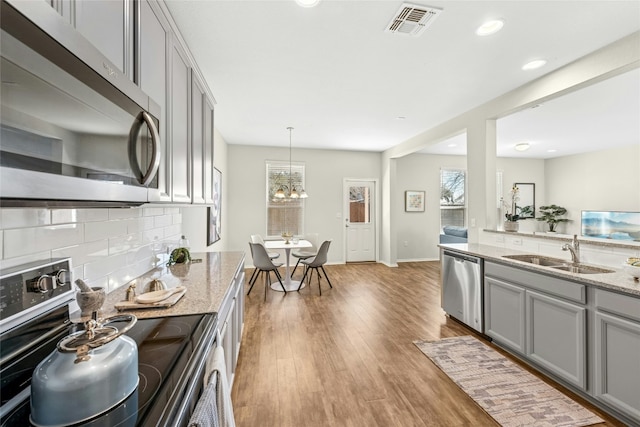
{"points": [[305, 253], [264, 264], [256, 238], [316, 263]]}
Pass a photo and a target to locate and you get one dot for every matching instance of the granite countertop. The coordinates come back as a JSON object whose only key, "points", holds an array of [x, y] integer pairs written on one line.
{"points": [[207, 282], [619, 280]]}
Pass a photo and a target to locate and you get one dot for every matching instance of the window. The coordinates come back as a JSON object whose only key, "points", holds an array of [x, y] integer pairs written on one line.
{"points": [[452, 197], [284, 214]]}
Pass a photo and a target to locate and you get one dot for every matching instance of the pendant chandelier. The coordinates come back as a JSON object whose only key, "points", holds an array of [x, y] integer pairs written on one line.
{"points": [[291, 191]]}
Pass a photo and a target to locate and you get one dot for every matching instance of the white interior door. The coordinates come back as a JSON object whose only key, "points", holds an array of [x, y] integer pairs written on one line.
{"points": [[360, 221]]}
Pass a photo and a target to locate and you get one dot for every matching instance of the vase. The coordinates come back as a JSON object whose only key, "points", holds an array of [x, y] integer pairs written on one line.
{"points": [[511, 226]]}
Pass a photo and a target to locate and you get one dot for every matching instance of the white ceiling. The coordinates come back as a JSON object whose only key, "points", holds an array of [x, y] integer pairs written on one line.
{"points": [[342, 82]]}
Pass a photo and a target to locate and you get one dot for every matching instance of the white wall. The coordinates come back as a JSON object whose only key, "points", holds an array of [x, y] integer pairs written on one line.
{"points": [[525, 171], [194, 224], [605, 180], [324, 174], [421, 230]]}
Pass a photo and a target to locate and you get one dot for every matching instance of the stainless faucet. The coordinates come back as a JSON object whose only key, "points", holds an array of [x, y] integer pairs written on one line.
{"points": [[574, 248]]}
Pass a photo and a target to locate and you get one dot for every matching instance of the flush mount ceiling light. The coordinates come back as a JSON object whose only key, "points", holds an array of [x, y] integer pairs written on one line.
{"points": [[307, 3], [534, 64], [523, 146], [490, 27]]}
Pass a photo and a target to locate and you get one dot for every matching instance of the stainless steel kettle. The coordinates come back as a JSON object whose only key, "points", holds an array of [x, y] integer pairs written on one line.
{"points": [[89, 373]]}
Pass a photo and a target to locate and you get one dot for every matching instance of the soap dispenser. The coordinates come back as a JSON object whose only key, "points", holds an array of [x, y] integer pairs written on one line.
{"points": [[184, 242]]}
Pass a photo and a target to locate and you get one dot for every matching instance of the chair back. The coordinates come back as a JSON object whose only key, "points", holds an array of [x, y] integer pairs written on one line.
{"points": [[313, 239], [256, 238], [321, 257], [260, 257]]}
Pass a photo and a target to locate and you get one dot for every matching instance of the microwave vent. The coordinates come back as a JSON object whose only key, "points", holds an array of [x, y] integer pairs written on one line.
{"points": [[412, 20]]}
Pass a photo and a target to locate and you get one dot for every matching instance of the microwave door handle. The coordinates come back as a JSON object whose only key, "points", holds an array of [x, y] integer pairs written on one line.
{"points": [[147, 177]]}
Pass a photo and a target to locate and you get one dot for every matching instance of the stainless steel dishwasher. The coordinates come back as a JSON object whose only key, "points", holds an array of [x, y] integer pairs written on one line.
{"points": [[461, 277]]}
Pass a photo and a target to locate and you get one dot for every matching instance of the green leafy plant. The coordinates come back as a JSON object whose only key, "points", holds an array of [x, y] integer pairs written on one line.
{"points": [[551, 215]]}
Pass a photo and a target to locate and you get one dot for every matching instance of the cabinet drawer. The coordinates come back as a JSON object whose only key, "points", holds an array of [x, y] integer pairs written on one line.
{"points": [[624, 305], [532, 280]]}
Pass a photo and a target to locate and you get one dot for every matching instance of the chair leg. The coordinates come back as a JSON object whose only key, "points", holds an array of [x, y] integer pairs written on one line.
{"points": [[306, 270], [294, 268], [318, 276], [267, 283], [280, 280], [325, 275], [253, 275]]}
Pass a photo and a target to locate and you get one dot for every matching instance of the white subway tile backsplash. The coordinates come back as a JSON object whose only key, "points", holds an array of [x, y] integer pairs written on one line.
{"points": [[162, 221], [152, 211], [23, 241], [107, 247], [20, 218], [124, 244], [84, 252], [123, 213], [104, 230]]}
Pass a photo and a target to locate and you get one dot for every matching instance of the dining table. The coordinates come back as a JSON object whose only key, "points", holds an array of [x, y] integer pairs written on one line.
{"points": [[289, 283]]}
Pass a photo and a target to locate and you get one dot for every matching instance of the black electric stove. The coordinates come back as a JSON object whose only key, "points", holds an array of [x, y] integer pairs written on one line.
{"points": [[172, 353]]}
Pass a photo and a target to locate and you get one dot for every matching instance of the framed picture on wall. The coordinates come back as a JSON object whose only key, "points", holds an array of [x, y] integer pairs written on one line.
{"points": [[414, 201], [214, 224]]}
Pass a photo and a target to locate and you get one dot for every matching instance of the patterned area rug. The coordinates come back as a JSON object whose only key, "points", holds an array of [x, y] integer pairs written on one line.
{"points": [[511, 395]]}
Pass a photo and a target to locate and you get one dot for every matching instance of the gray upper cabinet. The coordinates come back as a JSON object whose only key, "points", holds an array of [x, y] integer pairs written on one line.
{"points": [[197, 139], [180, 151], [208, 151], [153, 35], [108, 25]]}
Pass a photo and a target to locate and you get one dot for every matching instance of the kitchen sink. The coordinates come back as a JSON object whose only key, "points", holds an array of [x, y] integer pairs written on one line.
{"points": [[538, 260], [582, 269], [558, 264]]}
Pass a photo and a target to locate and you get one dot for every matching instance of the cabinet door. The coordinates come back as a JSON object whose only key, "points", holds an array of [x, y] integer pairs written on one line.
{"points": [[153, 36], [504, 315], [64, 8], [197, 140], [239, 316], [208, 151], [226, 336], [108, 25], [556, 337], [617, 363], [180, 90]]}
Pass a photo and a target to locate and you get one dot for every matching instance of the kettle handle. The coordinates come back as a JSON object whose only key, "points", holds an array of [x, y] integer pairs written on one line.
{"points": [[95, 343]]}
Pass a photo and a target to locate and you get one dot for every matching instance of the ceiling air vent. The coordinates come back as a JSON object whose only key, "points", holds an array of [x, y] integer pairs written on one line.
{"points": [[412, 19]]}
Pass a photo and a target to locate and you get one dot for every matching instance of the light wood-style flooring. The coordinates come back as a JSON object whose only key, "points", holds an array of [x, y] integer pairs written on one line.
{"points": [[347, 358]]}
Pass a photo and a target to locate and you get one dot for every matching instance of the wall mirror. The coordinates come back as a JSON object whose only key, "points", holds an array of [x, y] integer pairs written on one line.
{"points": [[526, 206]]}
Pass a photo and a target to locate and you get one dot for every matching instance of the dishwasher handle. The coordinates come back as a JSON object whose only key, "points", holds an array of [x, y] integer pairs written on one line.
{"points": [[462, 257]]}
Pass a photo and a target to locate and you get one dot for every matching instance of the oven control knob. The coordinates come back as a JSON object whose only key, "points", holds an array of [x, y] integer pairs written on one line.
{"points": [[62, 277], [43, 284]]}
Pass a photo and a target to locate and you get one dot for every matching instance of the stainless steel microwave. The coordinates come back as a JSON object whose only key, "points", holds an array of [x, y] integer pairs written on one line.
{"points": [[68, 135]]}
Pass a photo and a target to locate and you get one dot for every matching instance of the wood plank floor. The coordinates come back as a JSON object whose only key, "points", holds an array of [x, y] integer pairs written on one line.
{"points": [[347, 358]]}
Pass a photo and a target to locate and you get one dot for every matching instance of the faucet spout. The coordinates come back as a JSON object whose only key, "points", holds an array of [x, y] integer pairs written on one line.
{"points": [[574, 248]]}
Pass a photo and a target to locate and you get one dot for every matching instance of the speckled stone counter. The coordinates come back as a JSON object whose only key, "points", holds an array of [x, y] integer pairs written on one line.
{"points": [[619, 280], [207, 282]]}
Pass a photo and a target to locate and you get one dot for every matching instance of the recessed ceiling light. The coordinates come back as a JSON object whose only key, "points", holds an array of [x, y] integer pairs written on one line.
{"points": [[490, 27], [400, 117], [553, 150], [452, 145], [307, 3], [534, 64], [523, 146]]}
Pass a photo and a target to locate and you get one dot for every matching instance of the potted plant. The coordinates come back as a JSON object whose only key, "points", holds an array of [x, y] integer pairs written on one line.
{"points": [[511, 214], [551, 215]]}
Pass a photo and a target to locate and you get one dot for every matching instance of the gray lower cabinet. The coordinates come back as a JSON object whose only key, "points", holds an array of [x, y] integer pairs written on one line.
{"points": [[231, 321], [504, 307], [540, 317], [556, 336], [617, 352]]}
